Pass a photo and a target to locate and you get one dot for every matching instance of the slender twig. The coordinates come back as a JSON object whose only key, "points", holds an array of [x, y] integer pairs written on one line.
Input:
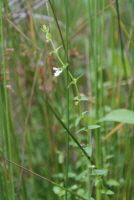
{"points": [[42, 177], [57, 25]]}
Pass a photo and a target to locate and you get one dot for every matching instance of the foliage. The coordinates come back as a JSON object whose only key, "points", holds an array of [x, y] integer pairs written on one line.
{"points": [[62, 92]]}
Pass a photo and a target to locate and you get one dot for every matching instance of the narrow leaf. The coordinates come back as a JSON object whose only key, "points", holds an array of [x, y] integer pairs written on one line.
{"points": [[85, 112], [77, 121], [93, 127], [58, 48], [112, 182], [81, 98], [79, 77], [98, 172], [82, 129], [109, 192]]}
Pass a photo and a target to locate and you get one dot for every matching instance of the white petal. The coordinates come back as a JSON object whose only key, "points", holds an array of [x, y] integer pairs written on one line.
{"points": [[55, 68], [57, 73]]}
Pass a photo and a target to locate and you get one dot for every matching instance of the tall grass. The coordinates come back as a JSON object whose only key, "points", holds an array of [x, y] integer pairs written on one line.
{"points": [[67, 92], [47, 150]]}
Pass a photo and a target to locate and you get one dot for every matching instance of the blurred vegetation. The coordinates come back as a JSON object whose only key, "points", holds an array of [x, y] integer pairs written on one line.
{"points": [[97, 39]]}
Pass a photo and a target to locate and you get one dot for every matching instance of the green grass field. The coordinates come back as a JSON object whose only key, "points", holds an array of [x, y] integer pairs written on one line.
{"points": [[66, 100]]}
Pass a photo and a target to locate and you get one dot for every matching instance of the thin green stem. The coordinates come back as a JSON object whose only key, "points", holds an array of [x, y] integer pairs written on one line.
{"points": [[7, 124], [67, 96], [121, 41], [74, 81], [71, 76], [57, 53]]}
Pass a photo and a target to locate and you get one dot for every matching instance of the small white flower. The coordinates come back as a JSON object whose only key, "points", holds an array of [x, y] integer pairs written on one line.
{"points": [[55, 68], [57, 72], [93, 166]]}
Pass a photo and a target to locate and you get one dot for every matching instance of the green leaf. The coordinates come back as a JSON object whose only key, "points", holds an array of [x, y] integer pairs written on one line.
{"points": [[86, 128], [42, 30], [98, 172], [103, 192], [84, 173], [97, 182], [65, 65], [82, 129], [60, 158], [81, 192], [93, 127], [120, 115], [74, 187], [44, 27], [48, 36], [77, 121], [83, 113], [108, 192], [112, 182], [79, 77], [88, 150], [109, 156], [76, 98], [56, 50], [81, 98], [58, 191], [59, 175]]}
